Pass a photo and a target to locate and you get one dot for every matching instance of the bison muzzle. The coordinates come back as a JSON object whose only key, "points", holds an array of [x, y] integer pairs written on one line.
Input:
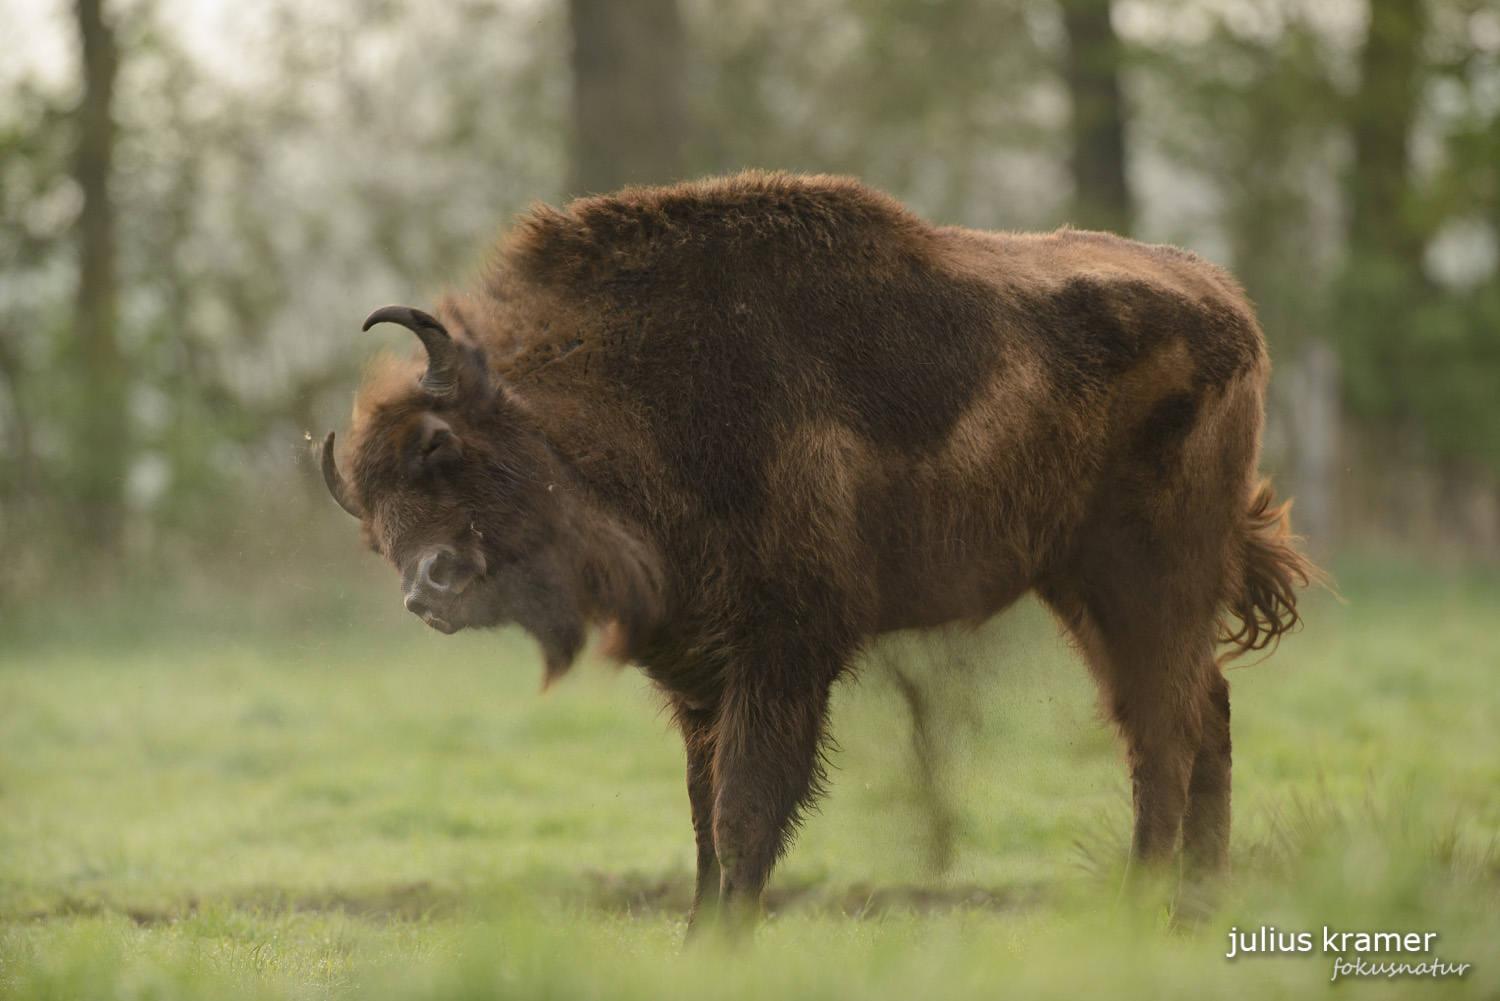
{"points": [[744, 426]]}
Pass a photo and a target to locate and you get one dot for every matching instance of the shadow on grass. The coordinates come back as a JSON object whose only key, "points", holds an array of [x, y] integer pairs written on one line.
{"points": [[614, 894], [646, 896]]}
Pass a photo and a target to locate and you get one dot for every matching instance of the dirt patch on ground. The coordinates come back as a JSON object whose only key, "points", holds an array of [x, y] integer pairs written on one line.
{"points": [[647, 895]]}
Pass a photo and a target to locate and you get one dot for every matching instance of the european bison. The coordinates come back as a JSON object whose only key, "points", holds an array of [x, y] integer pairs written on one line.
{"points": [[744, 426]]}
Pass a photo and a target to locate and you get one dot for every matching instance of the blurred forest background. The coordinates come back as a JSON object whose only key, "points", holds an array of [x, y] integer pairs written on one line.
{"points": [[199, 202]]}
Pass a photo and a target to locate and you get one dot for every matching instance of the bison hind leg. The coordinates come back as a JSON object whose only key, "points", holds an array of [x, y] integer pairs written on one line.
{"points": [[1205, 827], [1148, 637]]}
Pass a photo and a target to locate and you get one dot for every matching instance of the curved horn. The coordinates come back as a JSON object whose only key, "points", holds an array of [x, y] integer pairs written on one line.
{"points": [[336, 485], [442, 354]]}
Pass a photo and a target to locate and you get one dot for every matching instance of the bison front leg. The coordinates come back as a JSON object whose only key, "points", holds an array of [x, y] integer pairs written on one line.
{"points": [[767, 768], [698, 736]]}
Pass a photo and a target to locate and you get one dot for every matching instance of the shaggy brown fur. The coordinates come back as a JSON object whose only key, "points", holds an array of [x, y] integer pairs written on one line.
{"points": [[746, 425]]}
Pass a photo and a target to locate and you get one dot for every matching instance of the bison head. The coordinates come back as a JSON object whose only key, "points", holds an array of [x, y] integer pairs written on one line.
{"points": [[456, 486]]}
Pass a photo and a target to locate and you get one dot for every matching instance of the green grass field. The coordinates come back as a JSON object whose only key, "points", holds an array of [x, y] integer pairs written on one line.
{"points": [[291, 792]]}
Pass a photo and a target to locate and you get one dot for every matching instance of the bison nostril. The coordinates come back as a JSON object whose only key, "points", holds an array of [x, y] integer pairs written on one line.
{"points": [[438, 571]]}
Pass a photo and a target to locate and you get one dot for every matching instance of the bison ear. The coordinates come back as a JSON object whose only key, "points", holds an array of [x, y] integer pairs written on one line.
{"points": [[435, 444]]}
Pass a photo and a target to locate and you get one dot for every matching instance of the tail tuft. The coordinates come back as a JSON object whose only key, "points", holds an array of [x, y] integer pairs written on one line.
{"points": [[1271, 571]]}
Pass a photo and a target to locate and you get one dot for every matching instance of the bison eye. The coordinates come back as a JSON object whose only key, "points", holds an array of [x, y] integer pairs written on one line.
{"points": [[434, 445], [435, 441]]}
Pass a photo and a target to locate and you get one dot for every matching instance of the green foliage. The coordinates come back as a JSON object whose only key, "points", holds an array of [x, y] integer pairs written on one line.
{"points": [[1423, 358], [953, 105], [1329, 195], [262, 208], [273, 185], [37, 204], [1252, 114], [229, 793]]}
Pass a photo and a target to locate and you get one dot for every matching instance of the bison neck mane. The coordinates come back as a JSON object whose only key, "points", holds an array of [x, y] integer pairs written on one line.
{"points": [[594, 569], [620, 584]]}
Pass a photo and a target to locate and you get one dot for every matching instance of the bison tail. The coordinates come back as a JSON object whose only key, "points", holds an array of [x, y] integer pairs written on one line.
{"points": [[1271, 571]]}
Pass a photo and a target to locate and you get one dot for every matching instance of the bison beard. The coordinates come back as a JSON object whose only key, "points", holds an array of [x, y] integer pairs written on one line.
{"points": [[746, 425]]}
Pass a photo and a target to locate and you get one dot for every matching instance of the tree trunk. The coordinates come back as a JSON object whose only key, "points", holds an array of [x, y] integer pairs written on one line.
{"points": [[101, 431], [1381, 121], [627, 71], [1383, 284], [1315, 433], [1101, 198]]}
